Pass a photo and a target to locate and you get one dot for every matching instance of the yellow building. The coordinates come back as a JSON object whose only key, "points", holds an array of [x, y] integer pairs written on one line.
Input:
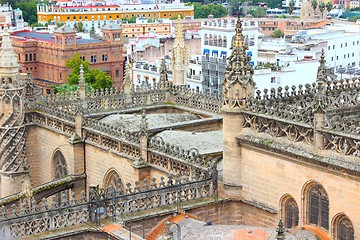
{"points": [[96, 16]]}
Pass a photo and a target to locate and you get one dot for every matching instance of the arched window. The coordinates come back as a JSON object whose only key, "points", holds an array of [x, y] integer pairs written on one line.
{"points": [[113, 184], [318, 206], [344, 229], [26, 58], [60, 167], [290, 213], [225, 42], [211, 41]]}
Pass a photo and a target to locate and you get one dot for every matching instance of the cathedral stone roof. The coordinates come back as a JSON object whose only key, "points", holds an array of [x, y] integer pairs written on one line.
{"points": [[131, 122], [204, 142]]}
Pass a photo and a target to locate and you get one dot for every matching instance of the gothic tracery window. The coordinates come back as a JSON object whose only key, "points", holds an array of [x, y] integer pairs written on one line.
{"points": [[318, 206], [113, 183], [60, 166], [345, 229], [291, 213]]}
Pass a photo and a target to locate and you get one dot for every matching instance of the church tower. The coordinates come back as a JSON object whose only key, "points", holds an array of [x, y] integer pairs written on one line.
{"points": [[12, 128], [238, 87], [180, 56]]}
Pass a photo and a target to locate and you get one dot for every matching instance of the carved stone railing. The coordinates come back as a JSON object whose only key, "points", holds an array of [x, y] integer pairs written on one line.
{"points": [[62, 122], [295, 132], [167, 157], [29, 218], [342, 143]]}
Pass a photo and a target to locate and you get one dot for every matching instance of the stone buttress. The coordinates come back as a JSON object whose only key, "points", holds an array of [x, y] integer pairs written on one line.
{"points": [[238, 87], [12, 128]]}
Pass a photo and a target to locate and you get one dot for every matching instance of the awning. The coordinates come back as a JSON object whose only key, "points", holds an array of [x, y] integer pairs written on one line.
{"points": [[252, 63], [223, 53], [249, 53], [214, 52], [206, 51]]}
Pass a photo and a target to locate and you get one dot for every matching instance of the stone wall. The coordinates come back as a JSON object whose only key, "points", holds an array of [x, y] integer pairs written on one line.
{"points": [[41, 146], [267, 177]]}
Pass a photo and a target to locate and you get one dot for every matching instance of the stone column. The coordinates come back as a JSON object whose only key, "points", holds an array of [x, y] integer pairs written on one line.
{"points": [[232, 125]]}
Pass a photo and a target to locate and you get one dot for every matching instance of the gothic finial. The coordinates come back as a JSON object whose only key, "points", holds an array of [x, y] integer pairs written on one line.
{"points": [[82, 78], [9, 65], [280, 231], [321, 74], [143, 124], [238, 39], [127, 77], [238, 84], [163, 71]]}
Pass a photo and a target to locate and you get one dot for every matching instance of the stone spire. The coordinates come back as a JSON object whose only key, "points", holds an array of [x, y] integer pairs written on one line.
{"points": [[9, 67], [127, 77], [238, 84], [12, 128], [180, 56], [321, 73], [143, 124], [163, 71], [82, 85]]}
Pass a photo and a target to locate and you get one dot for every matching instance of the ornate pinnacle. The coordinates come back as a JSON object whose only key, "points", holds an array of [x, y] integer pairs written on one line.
{"points": [[280, 231], [321, 74], [127, 77], [82, 78], [320, 80], [143, 124], [163, 71], [238, 84], [238, 39]]}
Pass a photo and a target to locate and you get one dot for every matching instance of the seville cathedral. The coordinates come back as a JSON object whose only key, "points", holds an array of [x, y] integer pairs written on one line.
{"points": [[79, 165]]}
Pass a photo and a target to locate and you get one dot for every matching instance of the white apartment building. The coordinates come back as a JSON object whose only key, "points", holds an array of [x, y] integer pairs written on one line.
{"points": [[145, 73], [216, 35], [11, 17], [342, 47]]}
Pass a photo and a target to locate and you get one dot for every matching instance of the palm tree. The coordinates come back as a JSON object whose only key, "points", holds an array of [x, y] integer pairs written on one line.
{"points": [[322, 8], [314, 5]]}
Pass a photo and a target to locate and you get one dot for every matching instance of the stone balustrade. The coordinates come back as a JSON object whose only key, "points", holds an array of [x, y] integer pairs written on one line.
{"points": [[29, 217]]}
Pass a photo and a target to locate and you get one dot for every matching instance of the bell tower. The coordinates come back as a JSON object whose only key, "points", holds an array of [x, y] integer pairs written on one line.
{"points": [[12, 128], [238, 87]]}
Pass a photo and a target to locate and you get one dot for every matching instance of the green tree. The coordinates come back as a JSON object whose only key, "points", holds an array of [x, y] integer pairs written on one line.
{"points": [[176, 17], [74, 63], [28, 9], [203, 11], [95, 78], [98, 79], [258, 12], [291, 6], [314, 5], [329, 6], [274, 3], [277, 33], [322, 7], [60, 24]]}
